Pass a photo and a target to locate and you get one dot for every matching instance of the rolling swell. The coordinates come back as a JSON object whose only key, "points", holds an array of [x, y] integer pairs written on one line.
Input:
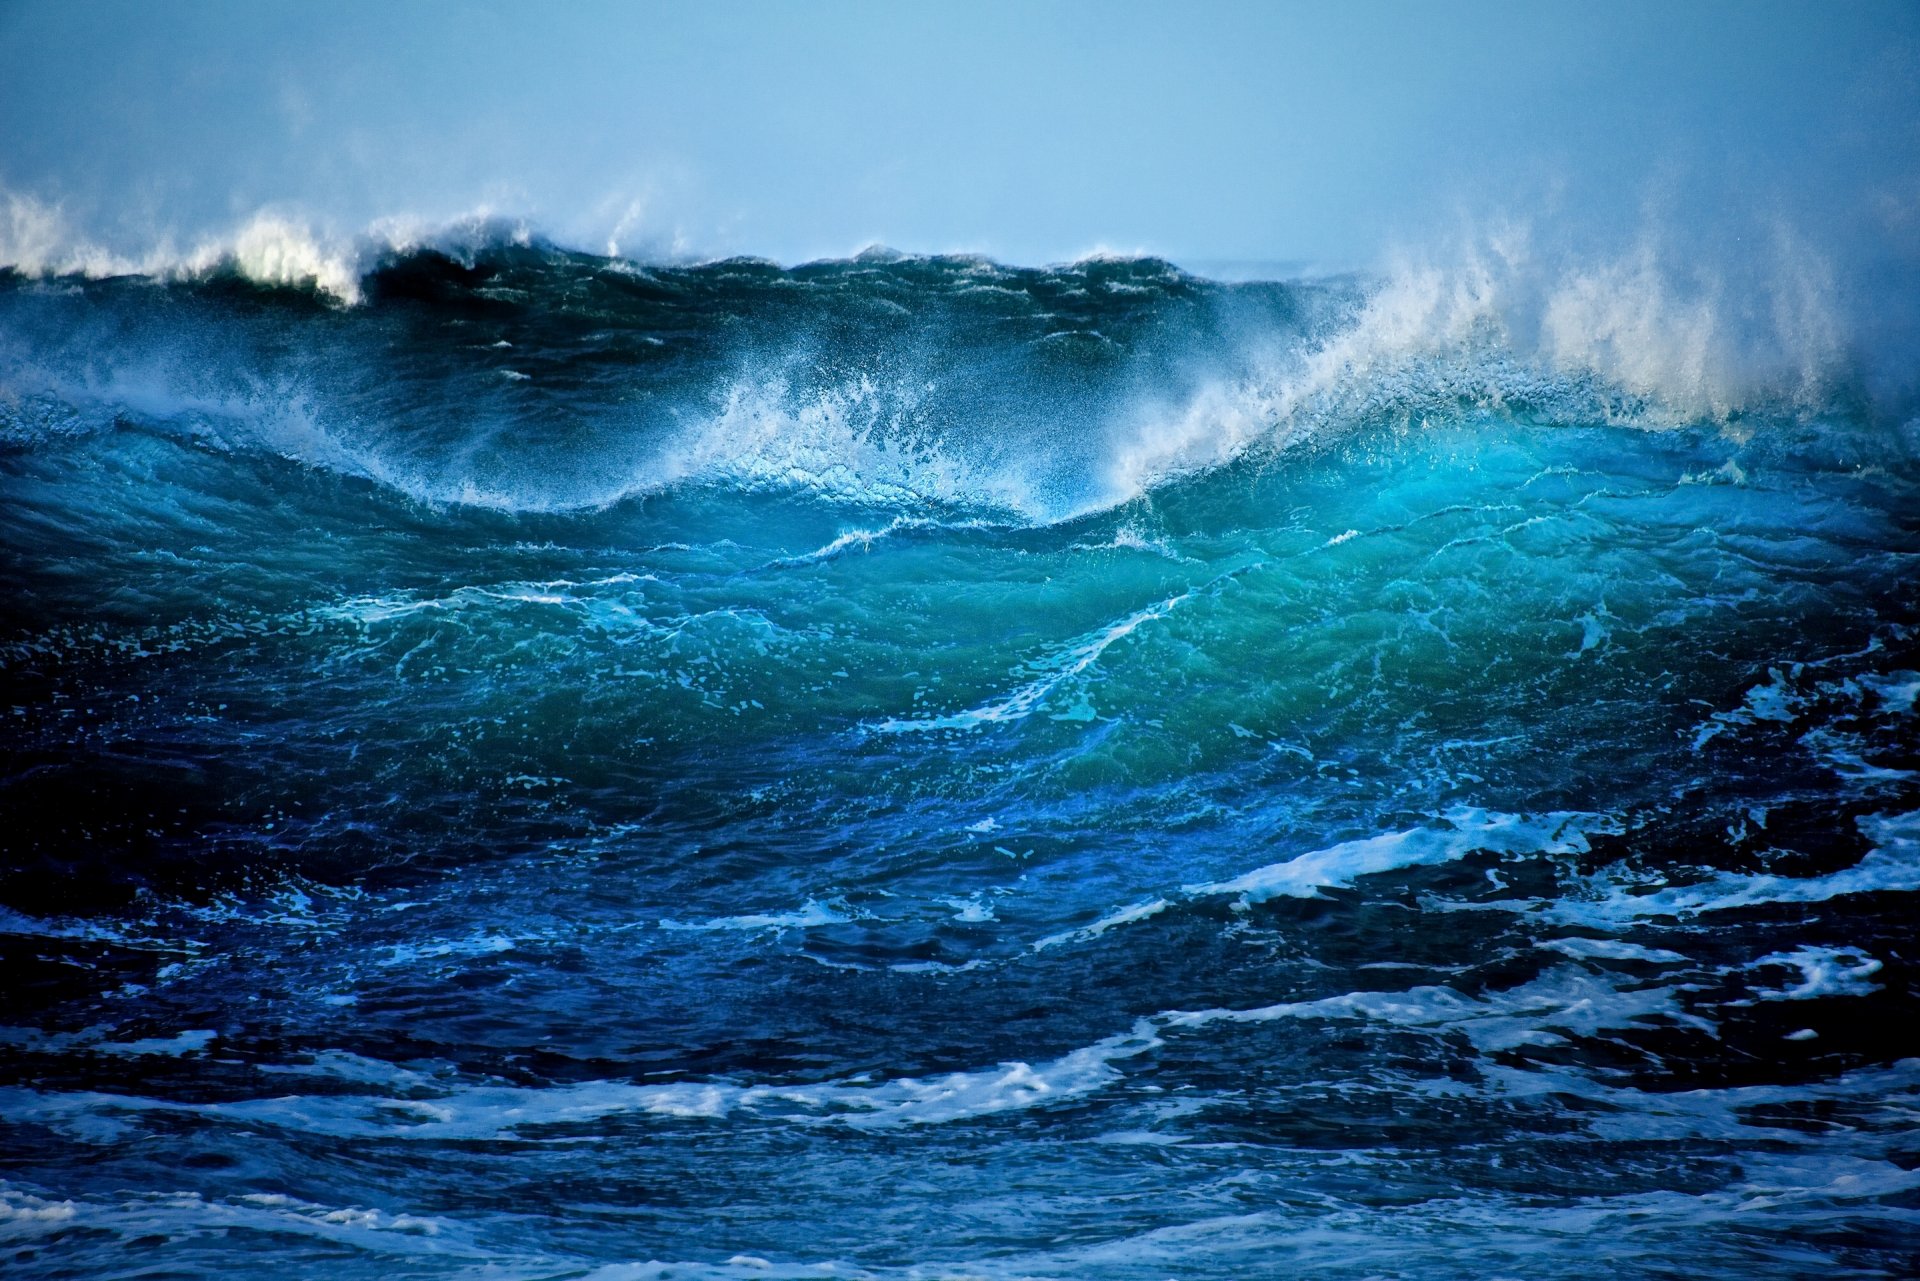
{"points": [[905, 766]]}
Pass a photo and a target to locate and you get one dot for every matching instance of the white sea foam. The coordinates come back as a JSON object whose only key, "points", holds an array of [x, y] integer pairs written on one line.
{"points": [[178, 1214], [1113, 920], [1794, 1196], [1070, 661], [24, 1215], [857, 439], [505, 1112], [1469, 830], [1896, 691], [1892, 866], [97, 1041], [807, 916], [472, 946], [36, 239], [1586, 949], [1647, 334], [1565, 1001], [863, 540], [270, 247], [1824, 971]]}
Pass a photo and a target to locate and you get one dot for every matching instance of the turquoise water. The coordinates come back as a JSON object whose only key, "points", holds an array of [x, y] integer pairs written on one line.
{"points": [[918, 768]]}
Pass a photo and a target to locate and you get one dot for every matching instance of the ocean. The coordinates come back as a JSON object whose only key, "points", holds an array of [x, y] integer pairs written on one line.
{"points": [[523, 764]]}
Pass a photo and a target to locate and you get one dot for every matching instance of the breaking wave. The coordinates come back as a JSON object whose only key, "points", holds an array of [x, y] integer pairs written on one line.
{"points": [[888, 379]]}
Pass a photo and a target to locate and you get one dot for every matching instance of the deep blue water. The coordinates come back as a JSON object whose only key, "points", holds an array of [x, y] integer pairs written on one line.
{"points": [[917, 768]]}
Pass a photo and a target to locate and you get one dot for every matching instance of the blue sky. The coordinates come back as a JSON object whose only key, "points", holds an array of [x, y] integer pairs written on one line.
{"points": [[1033, 132]]}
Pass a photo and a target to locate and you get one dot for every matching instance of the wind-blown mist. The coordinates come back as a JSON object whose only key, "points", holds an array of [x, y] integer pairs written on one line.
{"points": [[531, 757]]}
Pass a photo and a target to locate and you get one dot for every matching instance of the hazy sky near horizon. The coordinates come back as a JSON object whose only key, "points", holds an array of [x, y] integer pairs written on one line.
{"points": [[1032, 132]]}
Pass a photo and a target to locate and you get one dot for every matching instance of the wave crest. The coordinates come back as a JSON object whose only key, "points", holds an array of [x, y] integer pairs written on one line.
{"points": [[272, 248], [904, 381], [1632, 338]]}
